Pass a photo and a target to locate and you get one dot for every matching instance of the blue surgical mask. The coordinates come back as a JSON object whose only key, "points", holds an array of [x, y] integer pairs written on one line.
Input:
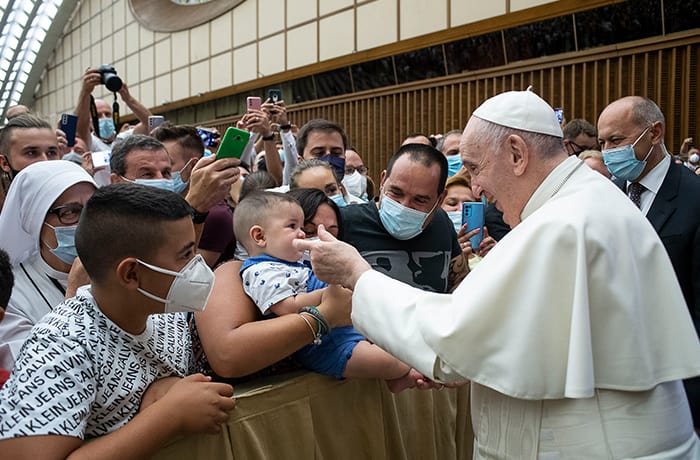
{"points": [[456, 218], [107, 128], [339, 200], [454, 164], [401, 222], [65, 237], [174, 184], [623, 163], [337, 163]]}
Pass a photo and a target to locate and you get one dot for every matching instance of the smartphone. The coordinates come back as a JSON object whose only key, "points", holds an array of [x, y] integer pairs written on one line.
{"points": [[559, 112], [253, 103], [68, 124], [101, 159], [233, 143], [208, 136], [275, 95], [473, 216], [155, 121]]}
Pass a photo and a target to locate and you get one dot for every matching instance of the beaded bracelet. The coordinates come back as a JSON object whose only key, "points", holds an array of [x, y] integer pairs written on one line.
{"points": [[317, 336], [321, 323]]}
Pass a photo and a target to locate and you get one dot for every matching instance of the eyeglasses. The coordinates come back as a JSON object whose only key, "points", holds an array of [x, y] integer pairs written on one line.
{"points": [[68, 214], [581, 148], [351, 169]]}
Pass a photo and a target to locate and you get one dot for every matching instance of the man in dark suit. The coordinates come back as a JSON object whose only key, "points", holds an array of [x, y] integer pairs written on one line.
{"points": [[631, 132]]}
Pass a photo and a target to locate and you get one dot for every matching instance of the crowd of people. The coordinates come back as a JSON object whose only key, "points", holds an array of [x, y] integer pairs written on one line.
{"points": [[574, 317]]}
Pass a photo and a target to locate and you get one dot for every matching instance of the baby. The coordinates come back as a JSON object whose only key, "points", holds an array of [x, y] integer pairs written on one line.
{"points": [[266, 224]]}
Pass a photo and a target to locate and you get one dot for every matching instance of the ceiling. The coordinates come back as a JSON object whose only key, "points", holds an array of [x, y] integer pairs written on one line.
{"points": [[29, 32]]}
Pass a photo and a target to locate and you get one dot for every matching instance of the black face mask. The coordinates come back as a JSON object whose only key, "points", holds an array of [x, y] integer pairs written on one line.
{"points": [[13, 172]]}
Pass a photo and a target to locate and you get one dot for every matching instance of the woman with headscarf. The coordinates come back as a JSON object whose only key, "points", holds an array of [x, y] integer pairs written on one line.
{"points": [[37, 228]]}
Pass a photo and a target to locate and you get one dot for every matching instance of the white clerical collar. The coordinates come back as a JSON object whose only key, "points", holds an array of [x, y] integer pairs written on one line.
{"points": [[551, 185]]}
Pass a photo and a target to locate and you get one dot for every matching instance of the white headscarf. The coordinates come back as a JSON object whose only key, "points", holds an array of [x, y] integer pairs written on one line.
{"points": [[31, 194]]}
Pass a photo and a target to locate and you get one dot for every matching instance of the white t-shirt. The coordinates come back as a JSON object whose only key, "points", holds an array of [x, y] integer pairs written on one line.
{"points": [[79, 374], [270, 282]]}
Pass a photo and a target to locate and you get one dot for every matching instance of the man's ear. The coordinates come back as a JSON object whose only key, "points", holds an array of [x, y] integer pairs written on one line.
{"points": [[114, 178], [518, 154], [257, 234], [382, 178], [4, 165], [657, 132], [127, 273]]}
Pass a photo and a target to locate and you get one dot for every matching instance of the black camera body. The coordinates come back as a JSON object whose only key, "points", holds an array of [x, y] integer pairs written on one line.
{"points": [[109, 77]]}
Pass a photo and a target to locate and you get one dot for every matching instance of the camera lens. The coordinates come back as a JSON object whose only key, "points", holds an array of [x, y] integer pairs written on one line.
{"points": [[110, 78], [112, 81]]}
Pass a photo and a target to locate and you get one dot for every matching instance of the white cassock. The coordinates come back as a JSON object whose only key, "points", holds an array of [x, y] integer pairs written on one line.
{"points": [[573, 331]]}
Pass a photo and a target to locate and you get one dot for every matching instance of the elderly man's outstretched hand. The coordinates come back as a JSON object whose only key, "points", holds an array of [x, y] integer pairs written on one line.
{"points": [[333, 261]]}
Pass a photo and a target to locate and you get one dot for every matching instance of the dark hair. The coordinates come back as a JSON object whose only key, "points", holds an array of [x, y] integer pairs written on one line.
{"points": [[579, 126], [122, 148], [425, 155], [186, 136], [7, 279], [310, 199], [124, 220], [24, 121], [318, 124], [305, 165], [255, 209], [256, 181]]}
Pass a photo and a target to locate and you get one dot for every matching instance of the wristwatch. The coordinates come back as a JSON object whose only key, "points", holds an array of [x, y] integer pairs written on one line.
{"points": [[199, 217]]}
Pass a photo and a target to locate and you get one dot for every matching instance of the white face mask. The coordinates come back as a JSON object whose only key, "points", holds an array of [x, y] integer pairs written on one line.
{"points": [[190, 289], [355, 184]]}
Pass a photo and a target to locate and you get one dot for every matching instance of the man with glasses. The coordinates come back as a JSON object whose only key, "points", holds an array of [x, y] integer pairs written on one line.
{"points": [[355, 180], [579, 135], [631, 132]]}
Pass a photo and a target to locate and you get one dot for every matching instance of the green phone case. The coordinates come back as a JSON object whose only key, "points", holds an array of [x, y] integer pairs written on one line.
{"points": [[233, 143]]}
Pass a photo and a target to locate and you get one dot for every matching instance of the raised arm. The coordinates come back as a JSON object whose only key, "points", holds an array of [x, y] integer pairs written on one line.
{"points": [[91, 79], [141, 112]]}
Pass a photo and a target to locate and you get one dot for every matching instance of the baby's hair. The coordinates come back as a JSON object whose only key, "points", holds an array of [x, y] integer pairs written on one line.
{"points": [[255, 209]]}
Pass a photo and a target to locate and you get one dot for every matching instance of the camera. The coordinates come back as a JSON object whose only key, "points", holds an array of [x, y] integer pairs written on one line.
{"points": [[109, 77]]}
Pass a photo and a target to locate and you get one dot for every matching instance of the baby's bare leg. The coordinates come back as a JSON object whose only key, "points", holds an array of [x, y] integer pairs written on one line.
{"points": [[370, 361]]}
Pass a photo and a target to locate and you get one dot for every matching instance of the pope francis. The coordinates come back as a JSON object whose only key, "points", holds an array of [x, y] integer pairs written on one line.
{"points": [[573, 329]]}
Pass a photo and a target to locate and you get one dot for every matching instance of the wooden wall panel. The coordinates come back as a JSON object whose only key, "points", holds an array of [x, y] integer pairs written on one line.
{"points": [[583, 84]]}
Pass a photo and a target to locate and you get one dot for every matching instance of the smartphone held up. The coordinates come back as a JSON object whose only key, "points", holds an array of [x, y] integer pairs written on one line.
{"points": [[233, 143], [68, 125], [473, 216], [253, 103]]}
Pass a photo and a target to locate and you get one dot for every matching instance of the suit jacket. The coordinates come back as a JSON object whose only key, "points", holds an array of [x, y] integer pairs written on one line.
{"points": [[675, 215]]}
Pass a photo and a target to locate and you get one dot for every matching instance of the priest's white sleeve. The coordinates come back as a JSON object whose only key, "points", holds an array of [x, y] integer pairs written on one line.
{"points": [[390, 314]]}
